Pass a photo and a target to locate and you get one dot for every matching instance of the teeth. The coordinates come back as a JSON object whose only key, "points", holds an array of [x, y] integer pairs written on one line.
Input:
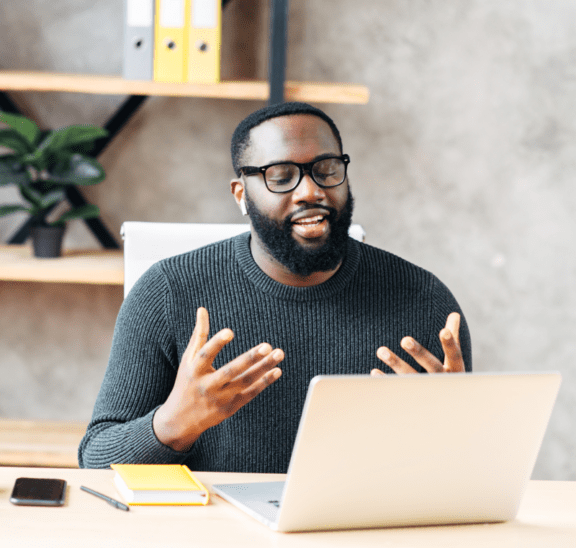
{"points": [[310, 220]]}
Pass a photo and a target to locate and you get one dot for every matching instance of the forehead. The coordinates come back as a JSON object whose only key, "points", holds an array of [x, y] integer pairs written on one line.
{"points": [[298, 138]]}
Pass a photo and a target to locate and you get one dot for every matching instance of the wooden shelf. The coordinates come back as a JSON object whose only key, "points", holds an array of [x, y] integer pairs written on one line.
{"points": [[104, 267], [40, 443], [115, 85]]}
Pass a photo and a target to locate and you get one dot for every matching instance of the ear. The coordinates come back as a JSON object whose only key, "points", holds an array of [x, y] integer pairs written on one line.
{"points": [[237, 189]]}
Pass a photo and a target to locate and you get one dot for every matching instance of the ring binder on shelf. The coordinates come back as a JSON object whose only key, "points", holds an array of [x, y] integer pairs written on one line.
{"points": [[170, 41], [204, 41], [138, 40]]}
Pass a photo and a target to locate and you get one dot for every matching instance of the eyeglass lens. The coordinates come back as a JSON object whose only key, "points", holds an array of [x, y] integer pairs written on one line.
{"points": [[284, 177]]}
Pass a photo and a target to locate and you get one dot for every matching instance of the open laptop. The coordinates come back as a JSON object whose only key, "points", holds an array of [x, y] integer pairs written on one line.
{"points": [[407, 450]]}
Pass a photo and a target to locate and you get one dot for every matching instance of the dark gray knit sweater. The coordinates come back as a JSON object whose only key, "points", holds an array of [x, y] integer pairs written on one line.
{"points": [[374, 299]]}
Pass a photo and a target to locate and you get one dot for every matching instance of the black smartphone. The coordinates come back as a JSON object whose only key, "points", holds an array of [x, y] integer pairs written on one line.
{"points": [[39, 492]]}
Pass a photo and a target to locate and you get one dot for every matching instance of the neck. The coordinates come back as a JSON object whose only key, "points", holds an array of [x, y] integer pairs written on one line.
{"points": [[279, 273]]}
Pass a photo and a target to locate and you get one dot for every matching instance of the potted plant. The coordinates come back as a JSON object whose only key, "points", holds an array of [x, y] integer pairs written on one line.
{"points": [[42, 164]]}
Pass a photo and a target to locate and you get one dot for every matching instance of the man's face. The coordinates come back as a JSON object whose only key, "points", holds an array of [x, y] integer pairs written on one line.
{"points": [[306, 229]]}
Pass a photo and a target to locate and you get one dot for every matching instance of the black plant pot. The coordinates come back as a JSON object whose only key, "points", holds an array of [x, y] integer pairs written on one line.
{"points": [[47, 241]]}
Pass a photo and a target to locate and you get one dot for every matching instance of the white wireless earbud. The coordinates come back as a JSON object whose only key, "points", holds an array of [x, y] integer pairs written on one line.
{"points": [[243, 207]]}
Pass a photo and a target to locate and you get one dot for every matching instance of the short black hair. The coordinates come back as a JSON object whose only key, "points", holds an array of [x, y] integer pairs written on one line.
{"points": [[241, 135]]}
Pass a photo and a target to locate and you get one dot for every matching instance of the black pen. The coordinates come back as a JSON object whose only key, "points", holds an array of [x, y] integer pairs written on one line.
{"points": [[113, 502]]}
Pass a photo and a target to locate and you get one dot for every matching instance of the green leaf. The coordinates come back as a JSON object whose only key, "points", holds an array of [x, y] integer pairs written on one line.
{"points": [[57, 159], [35, 159], [77, 169], [52, 198], [87, 211], [12, 172], [9, 209], [14, 141], [68, 137], [22, 125], [31, 195]]}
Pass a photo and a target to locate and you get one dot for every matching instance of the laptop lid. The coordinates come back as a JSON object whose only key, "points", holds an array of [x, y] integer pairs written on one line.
{"points": [[415, 449]]}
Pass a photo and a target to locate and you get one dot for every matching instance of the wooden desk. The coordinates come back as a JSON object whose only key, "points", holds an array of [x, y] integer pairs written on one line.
{"points": [[547, 518]]}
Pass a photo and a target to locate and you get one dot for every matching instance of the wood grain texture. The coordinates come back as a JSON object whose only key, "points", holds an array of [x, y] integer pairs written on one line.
{"points": [[40, 443], [547, 517], [115, 85], [75, 266]]}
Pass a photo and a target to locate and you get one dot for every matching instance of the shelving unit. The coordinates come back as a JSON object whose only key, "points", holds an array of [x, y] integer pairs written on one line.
{"points": [[105, 267], [139, 91], [275, 90], [37, 443], [317, 92]]}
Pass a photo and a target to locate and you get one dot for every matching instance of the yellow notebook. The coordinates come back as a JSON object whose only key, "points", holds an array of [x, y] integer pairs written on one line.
{"points": [[159, 484]]}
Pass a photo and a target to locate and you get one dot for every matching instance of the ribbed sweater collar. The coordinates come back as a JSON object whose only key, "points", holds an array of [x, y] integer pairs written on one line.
{"points": [[280, 291]]}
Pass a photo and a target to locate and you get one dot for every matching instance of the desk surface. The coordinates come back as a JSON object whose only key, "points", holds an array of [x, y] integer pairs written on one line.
{"points": [[547, 517]]}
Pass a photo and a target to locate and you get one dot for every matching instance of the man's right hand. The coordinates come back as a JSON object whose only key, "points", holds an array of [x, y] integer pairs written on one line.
{"points": [[203, 396]]}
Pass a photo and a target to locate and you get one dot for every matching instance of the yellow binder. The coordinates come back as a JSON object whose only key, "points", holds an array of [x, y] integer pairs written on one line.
{"points": [[170, 44], [204, 39]]}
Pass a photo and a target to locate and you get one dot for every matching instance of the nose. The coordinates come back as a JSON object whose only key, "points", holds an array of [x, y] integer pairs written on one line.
{"points": [[308, 191]]}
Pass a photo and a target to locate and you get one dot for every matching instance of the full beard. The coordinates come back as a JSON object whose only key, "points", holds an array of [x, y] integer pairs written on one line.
{"points": [[280, 243]]}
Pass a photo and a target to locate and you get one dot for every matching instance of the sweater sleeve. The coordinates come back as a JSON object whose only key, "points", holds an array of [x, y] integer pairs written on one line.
{"points": [[443, 303], [140, 375]]}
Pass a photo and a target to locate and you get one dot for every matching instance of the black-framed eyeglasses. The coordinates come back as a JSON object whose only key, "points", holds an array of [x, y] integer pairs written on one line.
{"points": [[286, 176]]}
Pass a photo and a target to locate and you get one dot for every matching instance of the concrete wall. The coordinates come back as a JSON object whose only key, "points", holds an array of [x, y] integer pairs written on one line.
{"points": [[463, 162]]}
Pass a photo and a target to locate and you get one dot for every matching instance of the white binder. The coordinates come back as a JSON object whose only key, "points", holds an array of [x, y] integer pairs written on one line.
{"points": [[138, 40]]}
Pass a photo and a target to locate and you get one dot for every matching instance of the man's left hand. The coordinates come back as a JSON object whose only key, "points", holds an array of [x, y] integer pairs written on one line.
{"points": [[450, 340]]}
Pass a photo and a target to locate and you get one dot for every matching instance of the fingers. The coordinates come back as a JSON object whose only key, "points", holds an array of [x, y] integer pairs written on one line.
{"points": [[377, 373], [242, 372], [453, 324], [254, 373], [423, 356], [453, 361], [236, 400], [450, 340], [201, 361], [393, 361], [245, 377], [258, 386], [203, 397], [200, 333]]}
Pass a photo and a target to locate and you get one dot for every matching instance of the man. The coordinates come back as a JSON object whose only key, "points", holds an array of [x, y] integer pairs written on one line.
{"points": [[294, 292]]}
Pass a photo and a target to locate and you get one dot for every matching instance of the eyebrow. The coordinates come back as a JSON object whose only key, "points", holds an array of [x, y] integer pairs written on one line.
{"points": [[315, 159]]}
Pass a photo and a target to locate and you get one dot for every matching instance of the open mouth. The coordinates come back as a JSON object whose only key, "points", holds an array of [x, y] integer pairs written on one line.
{"points": [[311, 227]]}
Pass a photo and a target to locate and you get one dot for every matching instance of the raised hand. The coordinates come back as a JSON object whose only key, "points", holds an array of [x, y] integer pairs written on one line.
{"points": [[203, 396], [450, 340]]}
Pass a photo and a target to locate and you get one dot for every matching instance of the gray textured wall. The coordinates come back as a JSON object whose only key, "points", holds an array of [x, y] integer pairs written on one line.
{"points": [[463, 162]]}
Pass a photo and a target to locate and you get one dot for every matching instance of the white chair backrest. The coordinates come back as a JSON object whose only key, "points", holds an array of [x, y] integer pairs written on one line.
{"points": [[147, 243]]}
